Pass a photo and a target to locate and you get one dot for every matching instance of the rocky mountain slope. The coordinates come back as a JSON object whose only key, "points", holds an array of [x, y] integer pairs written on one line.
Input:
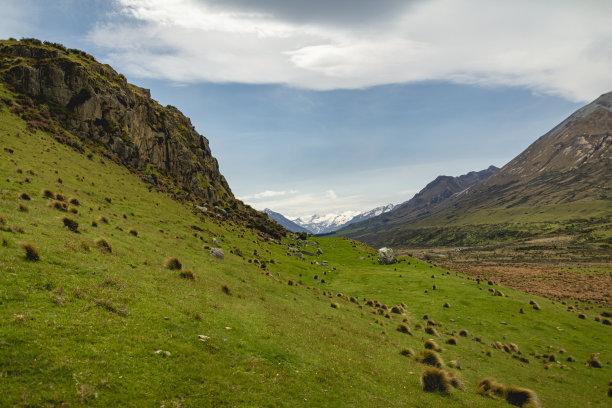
{"points": [[97, 104], [284, 222], [426, 201], [568, 167]]}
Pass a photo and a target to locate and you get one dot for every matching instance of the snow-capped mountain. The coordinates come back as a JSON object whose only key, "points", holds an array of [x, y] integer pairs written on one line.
{"points": [[322, 224], [286, 223]]}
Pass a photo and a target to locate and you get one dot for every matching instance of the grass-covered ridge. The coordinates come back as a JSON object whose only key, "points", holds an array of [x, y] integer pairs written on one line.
{"points": [[114, 325]]}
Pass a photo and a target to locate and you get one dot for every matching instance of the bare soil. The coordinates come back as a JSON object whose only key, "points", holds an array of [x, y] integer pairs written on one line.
{"points": [[554, 269]]}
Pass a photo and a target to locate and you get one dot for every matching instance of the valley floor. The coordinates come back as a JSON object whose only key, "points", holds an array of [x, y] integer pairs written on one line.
{"points": [[556, 268]]}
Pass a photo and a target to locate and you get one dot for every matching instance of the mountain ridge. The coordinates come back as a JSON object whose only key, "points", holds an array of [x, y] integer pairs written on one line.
{"points": [[568, 164]]}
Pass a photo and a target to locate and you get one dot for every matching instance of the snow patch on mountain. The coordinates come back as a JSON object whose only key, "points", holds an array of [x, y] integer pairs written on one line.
{"points": [[323, 224]]}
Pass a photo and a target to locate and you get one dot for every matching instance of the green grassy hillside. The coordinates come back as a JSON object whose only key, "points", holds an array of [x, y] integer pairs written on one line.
{"points": [[88, 326]]}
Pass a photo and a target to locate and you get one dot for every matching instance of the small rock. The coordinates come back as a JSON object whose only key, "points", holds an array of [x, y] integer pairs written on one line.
{"points": [[319, 251], [217, 253], [203, 338], [216, 243]]}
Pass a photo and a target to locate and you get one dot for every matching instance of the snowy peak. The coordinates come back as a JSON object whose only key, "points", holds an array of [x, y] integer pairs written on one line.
{"points": [[323, 224]]}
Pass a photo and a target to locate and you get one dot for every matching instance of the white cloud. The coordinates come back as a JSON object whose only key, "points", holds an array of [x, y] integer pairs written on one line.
{"points": [[268, 194], [560, 47]]}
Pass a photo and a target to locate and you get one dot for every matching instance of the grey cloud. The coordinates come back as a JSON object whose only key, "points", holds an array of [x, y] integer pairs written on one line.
{"points": [[333, 12]]}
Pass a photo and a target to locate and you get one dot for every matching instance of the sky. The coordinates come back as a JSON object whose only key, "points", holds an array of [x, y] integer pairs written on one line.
{"points": [[324, 107]]}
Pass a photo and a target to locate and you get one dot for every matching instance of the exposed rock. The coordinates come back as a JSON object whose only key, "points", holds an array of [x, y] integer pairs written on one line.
{"points": [[217, 253], [96, 103], [319, 251], [386, 256], [308, 253], [201, 209]]}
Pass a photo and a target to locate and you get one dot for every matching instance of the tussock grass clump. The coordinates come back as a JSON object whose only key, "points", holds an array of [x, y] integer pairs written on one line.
{"points": [[446, 305], [488, 386], [594, 362], [133, 232], [407, 352], [226, 289], [431, 331], [73, 210], [403, 328], [25, 196], [570, 359], [463, 333], [103, 245], [58, 205], [71, 224], [23, 207], [335, 305], [430, 357], [74, 201], [432, 345], [31, 253], [60, 197], [103, 219], [452, 341], [436, 380], [173, 264], [48, 194], [521, 397], [188, 274]]}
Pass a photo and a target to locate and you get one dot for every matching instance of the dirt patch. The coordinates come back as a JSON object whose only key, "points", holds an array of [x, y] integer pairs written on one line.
{"points": [[546, 280]]}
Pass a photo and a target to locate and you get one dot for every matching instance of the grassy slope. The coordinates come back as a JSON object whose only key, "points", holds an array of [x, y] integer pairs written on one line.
{"points": [[83, 326]]}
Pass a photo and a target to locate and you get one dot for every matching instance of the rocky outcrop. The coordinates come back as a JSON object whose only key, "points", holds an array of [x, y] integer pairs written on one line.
{"points": [[386, 256], [97, 104]]}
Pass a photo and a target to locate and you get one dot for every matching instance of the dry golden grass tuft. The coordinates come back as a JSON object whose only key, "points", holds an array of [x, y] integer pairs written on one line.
{"points": [[31, 252], [173, 263]]}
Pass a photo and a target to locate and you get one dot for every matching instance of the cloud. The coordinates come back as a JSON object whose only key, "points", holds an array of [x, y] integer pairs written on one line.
{"points": [[560, 47], [268, 194], [301, 204]]}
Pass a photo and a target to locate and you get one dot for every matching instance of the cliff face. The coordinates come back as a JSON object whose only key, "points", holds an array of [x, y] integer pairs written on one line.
{"points": [[95, 103]]}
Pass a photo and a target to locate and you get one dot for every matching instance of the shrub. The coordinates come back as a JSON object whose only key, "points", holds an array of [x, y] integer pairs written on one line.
{"points": [[436, 380], [452, 341], [403, 328], [187, 275], [31, 253], [103, 245], [71, 224], [521, 397], [25, 196], [173, 264], [431, 358]]}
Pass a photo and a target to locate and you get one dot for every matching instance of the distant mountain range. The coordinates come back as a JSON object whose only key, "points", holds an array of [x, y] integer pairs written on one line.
{"points": [[285, 222], [324, 224], [568, 170]]}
